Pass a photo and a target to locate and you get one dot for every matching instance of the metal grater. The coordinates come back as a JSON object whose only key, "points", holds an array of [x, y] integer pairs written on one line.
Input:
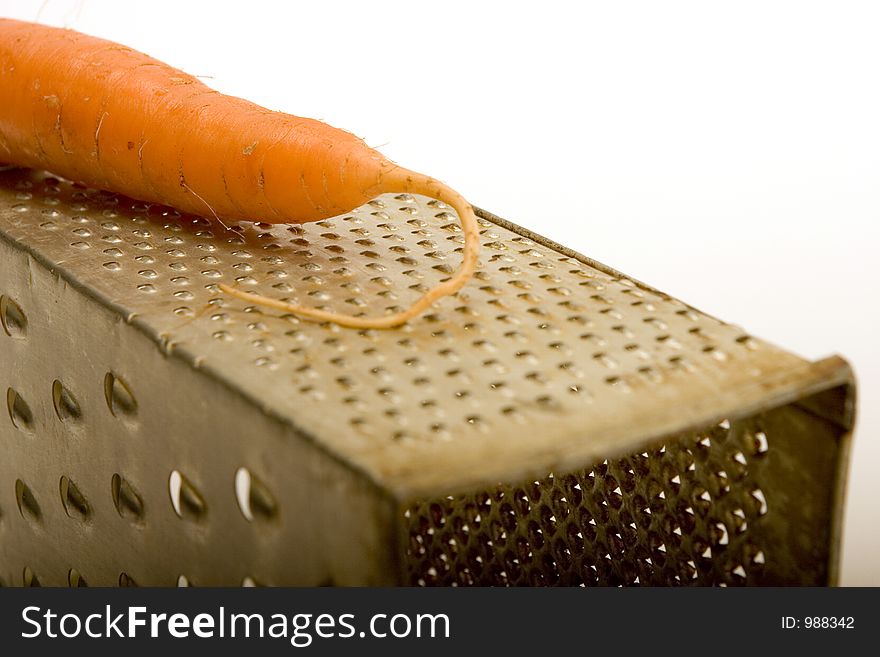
{"points": [[554, 423]]}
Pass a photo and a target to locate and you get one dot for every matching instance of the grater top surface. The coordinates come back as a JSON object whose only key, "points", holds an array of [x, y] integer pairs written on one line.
{"points": [[544, 360]]}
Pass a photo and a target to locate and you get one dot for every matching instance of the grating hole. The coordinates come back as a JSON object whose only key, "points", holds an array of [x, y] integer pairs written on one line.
{"points": [[126, 500], [28, 578], [19, 411], [75, 503], [27, 503], [13, 318], [126, 580], [119, 397], [759, 501], [756, 443], [255, 501], [188, 503], [75, 579], [66, 407]]}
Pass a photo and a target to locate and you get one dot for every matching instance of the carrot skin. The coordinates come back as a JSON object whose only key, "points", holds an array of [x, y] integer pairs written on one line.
{"points": [[111, 117]]}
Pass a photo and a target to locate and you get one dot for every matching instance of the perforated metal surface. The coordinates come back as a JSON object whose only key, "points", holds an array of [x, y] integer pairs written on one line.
{"points": [[243, 434], [691, 510]]}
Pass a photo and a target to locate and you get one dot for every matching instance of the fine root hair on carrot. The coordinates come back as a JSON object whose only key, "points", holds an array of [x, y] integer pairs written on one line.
{"points": [[216, 216], [406, 182]]}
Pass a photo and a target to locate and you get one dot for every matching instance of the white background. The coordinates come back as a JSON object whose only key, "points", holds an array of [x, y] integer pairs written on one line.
{"points": [[727, 153]]}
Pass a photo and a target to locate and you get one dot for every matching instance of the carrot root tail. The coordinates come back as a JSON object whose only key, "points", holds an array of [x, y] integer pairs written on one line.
{"points": [[407, 182]]}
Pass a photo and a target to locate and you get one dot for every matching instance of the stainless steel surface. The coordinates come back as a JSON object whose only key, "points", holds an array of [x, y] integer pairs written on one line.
{"points": [[157, 428]]}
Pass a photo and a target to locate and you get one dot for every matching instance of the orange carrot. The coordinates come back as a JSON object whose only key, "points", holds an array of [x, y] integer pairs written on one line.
{"points": [[108, 116]]}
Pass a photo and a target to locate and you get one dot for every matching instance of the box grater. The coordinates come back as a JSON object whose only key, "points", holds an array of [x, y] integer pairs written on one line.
{"points": [[556, 422]]}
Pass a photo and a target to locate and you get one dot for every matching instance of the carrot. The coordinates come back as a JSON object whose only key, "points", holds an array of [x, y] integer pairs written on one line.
{"points": [[113, 118]]}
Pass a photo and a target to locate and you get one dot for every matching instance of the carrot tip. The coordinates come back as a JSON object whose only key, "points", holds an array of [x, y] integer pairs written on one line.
{"points": [[400, 181]]}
